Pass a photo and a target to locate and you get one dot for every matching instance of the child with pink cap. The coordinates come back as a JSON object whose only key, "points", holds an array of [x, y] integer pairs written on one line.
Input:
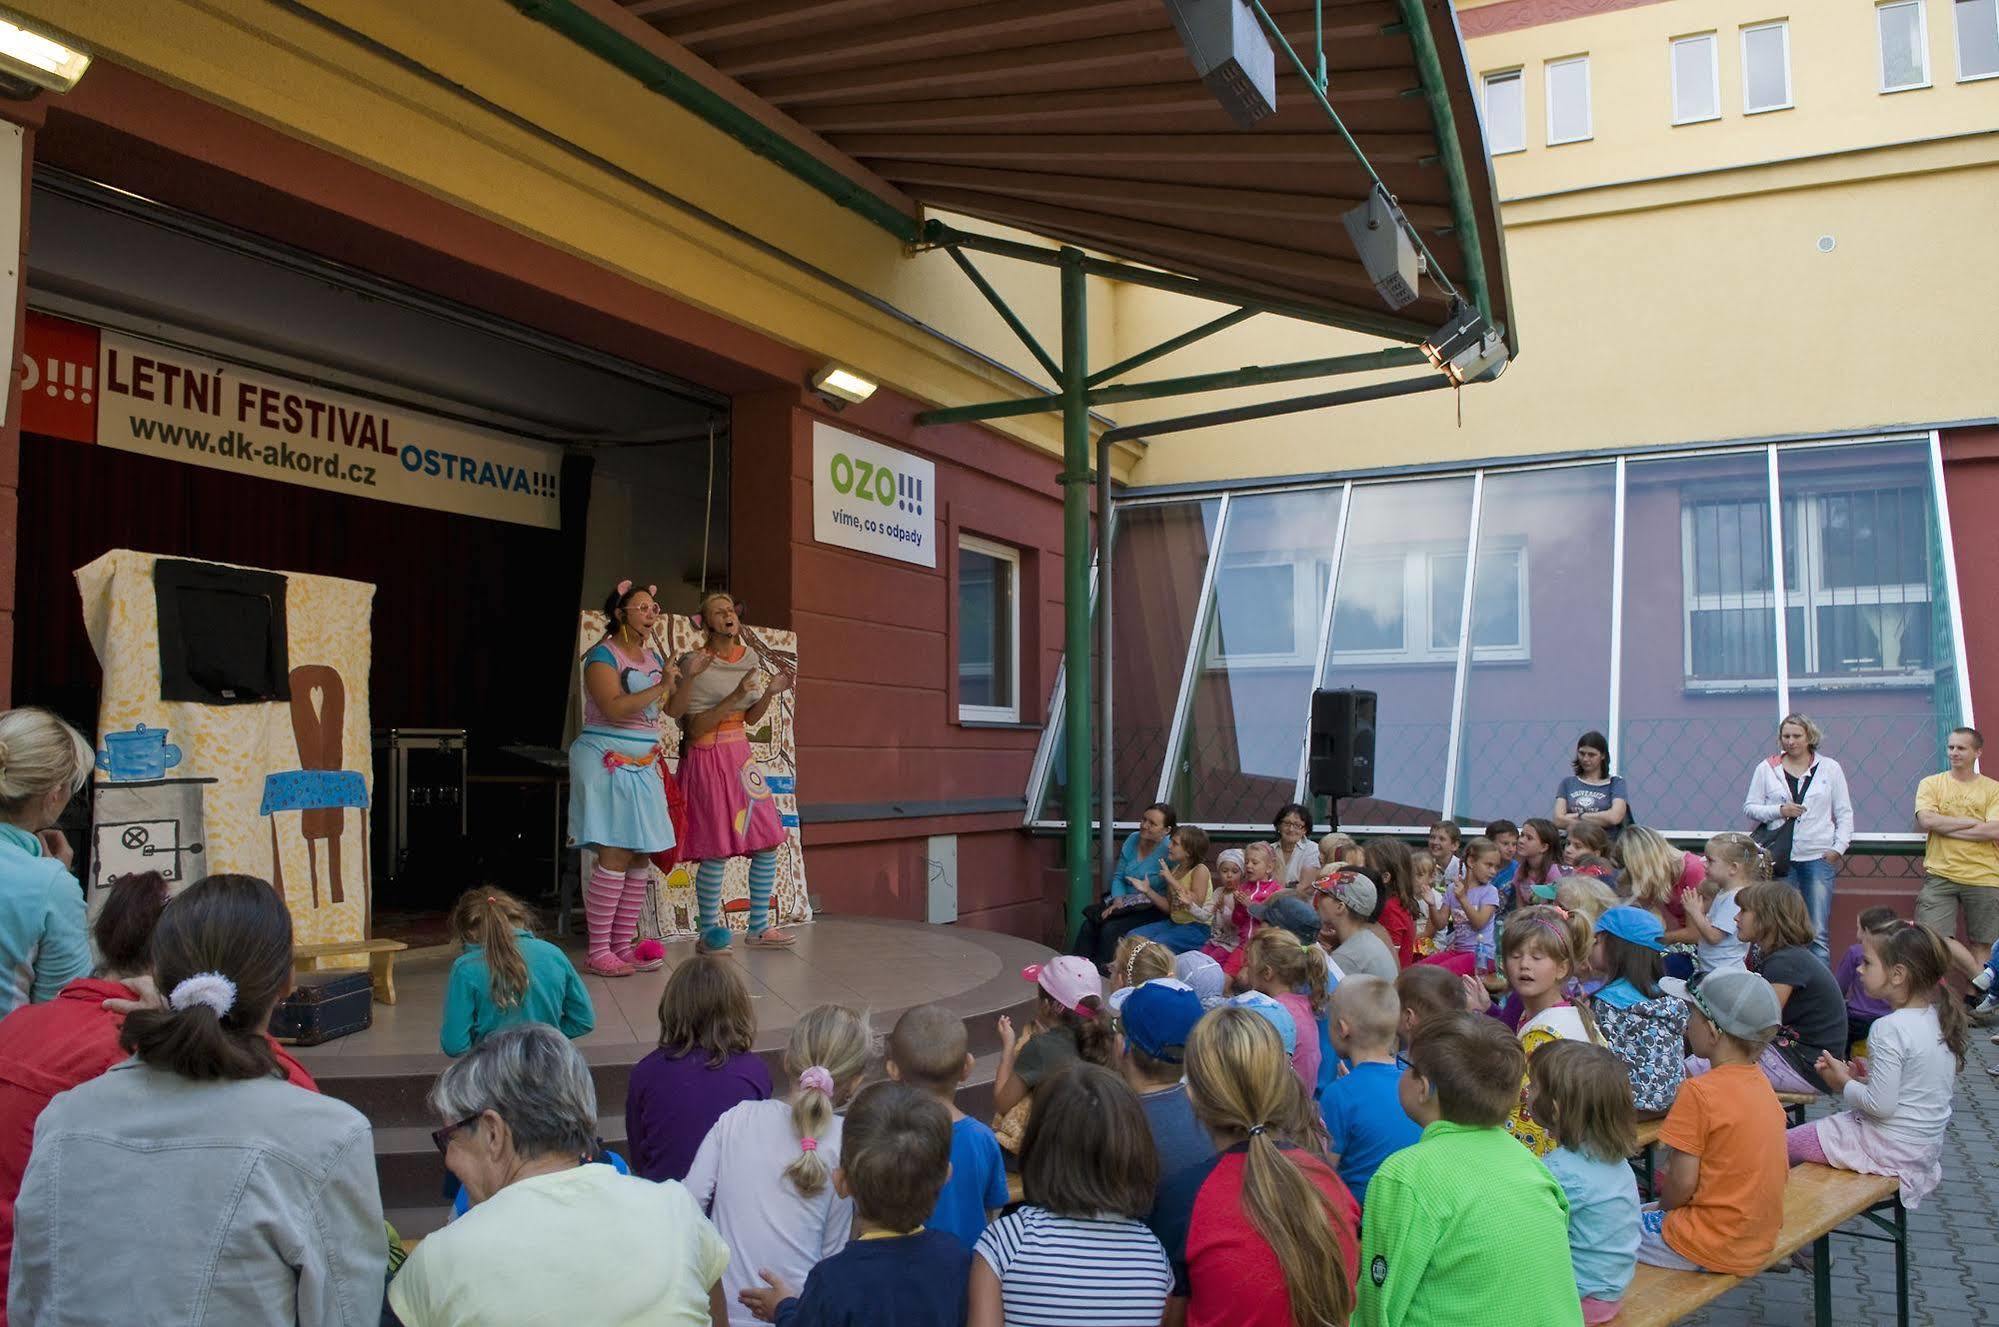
{"points": [[1071, 1023]]}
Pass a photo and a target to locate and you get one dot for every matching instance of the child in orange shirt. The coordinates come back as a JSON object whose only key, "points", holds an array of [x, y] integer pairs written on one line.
{"points": [[1721, 1193]]}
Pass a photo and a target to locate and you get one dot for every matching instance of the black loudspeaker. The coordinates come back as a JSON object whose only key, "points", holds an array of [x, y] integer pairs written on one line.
{"points": [[1342, 743]]}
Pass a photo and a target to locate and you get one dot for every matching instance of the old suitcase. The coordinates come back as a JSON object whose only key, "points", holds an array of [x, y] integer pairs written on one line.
{"points": [[325, 1005]]}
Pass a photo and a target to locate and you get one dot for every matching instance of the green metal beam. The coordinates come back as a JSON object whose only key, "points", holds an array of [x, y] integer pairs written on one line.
{"points": [[1076, 575], [621, 52], [1167, 347], [1464, 220], [1005, 311], [1255, 375]]}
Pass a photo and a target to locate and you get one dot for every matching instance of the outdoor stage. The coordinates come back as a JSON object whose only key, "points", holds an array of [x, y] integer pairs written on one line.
{"points": [[884, 967]]}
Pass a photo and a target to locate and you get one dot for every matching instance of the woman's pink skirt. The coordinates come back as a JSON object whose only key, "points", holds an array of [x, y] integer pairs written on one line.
{"points": [[730, 810], [1461, 961]]}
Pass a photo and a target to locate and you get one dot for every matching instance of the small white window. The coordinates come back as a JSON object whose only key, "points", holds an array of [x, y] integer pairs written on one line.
{"points": [[1905, 47], [1505, 113], [988, 632], [1766, 68], [1568, 100], [1977, 39], [1696, 79]]}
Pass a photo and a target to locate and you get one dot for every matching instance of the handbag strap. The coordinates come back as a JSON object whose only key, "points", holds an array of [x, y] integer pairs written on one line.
{"points": [[1804, 785]]}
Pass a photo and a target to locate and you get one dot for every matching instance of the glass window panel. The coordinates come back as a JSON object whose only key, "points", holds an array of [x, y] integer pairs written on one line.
{"points": [[1505, 113], [1977, 38], [1158, 558], [1695, 96], [1544, 571], [1699, 653], [1395, 532], [986, 662], [1904, 62], [1568, 100], [1766, 67], [1870, 646], [1247, 718]]}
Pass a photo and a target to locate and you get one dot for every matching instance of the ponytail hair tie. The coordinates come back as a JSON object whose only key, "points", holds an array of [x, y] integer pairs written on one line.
{"points": [[817, 1079], [212, 989], [1256, 1130], [808, 1144]]}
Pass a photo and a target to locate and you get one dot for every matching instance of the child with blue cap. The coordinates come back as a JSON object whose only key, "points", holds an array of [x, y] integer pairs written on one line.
{"points": [[1642, 1025], [1154, 1021]]}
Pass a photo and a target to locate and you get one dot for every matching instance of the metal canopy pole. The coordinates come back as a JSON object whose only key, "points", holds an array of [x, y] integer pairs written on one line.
{"points": [[1106, 592], [1076, 574]]}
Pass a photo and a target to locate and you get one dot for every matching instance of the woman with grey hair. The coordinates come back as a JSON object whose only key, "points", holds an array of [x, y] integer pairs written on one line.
{"points": [[43, 763], [550, 1236], [1800, 801]]}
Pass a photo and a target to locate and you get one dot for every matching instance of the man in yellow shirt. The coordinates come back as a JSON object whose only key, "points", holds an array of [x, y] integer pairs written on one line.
{"points": [[1959, 810]]}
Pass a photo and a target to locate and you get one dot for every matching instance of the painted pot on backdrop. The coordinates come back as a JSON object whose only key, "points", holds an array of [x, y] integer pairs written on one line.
{"points": [[137, 754]]}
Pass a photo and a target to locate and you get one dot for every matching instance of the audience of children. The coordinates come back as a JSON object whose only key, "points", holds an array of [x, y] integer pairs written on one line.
{"points": [[1537, 861], [764, 1172], [1293, 973], [1263, 1234], [1426, 992], [1470, 946], [1584, 840], [928, 1051], [1898, 1100], [1222, 934], [1077, 1250], [1446, 848], [1188, 884], [1259, 885], [1587, 895], [1734, 862], [1645, 1028], [1862, 1009], [1658, 877], [1543, 950], [896, 1148], [507, 976], [1721, 1185], [1813, 1012], [1203, 976], [1346, 902], [1071, 1023], [1154, 1023], [702, 1068], [1581, 1094], [1426, 875], [1337, 849], [1395, 884], [1139, 960], [1466, 1212], [1362, 1108]]}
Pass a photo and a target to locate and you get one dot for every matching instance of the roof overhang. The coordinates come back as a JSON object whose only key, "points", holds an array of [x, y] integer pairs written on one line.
{"points": [[1084, 121]]}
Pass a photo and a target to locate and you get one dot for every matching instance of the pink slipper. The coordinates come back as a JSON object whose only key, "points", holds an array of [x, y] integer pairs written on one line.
{"points": [[613, 967], [771, 938], [645, 956]]}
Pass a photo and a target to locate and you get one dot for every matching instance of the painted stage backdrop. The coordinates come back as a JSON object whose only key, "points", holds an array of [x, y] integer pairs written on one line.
{"points": [[670, 910], [233, 736]]}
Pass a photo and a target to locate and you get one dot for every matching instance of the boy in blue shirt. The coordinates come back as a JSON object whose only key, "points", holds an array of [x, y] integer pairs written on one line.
{"points": [[927, 1050], [1365, 1122]]}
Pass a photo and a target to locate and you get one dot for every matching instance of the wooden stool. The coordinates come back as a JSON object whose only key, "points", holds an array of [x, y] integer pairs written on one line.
{"points": [[381, 961]]}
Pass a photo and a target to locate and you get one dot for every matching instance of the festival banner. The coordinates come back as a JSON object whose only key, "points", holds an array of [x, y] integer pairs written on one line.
{"points": [[94, 385]]}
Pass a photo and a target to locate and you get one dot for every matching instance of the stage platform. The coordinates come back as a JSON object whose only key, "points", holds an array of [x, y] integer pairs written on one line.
{"points": [[884, 967]]}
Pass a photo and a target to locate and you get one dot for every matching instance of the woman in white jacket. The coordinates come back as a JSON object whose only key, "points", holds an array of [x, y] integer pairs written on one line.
{"points": [[1802, 786]]}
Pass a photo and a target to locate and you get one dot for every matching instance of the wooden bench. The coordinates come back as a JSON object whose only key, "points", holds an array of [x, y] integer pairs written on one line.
{"points": [[381, 961], [1817, 1201], [1794, 1104]]}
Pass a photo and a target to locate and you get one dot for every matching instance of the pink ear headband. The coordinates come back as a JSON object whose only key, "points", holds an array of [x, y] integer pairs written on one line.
{"points": [[625, 588]]}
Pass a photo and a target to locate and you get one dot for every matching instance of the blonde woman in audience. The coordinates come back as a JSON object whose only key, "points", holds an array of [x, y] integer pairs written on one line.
{"points": [[43, 763]]}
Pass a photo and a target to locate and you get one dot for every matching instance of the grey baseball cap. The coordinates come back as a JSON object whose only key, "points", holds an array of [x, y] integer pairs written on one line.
{"points": [[1735, 1000]]}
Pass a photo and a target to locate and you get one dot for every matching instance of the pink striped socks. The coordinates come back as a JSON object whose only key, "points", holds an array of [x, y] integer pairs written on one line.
{"points": [[601, 899], [631, 901]]}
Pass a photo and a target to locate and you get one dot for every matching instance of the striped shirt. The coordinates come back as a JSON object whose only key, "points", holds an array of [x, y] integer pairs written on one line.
{"points": [[1041, 1260]]}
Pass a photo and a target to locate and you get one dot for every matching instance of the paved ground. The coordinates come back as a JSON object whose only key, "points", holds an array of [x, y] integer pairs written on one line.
{"points": [[1953, 1238]]}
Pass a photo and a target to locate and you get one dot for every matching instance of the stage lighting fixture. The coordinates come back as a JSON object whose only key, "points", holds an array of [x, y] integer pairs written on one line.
{"points": [[1465, 349], [40, 59], [1231, 54], [839, 381], [1380, 236]]}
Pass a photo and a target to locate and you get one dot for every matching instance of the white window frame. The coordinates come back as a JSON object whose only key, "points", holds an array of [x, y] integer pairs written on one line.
{"points": [[1801, 512], [1419, 591], [1517, 76], [1010, 557], [1713, 40], [1311, 581], [1922, 44], [1957, 28], [1783, 27], [1548, 100]]}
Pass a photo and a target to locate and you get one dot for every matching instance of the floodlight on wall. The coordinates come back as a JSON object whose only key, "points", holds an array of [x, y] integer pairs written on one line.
{"points": [[842, 383], [36, 58], [1465, 349], [1231, 54], [1380, 235]]}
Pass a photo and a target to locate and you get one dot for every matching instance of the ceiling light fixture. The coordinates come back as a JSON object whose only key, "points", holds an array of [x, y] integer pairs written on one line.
{"points": [[38, 58], [1380, 235], [1231, 54], [1465, 349], [842, 383]]}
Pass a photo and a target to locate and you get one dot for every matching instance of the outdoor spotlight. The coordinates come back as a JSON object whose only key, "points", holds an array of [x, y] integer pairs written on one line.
{"points": [[1231, 54], [1380, 236], [839, 381], [38, 59], [1465, 349]]}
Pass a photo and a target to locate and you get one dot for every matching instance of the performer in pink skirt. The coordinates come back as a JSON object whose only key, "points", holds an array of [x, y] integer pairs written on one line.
{"points": [[730, 810]]}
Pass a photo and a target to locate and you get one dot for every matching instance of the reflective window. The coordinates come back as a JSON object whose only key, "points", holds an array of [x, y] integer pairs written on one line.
{"points": [[1696, 80], [1567, 84], [1766, 68], [1159, 557], [988, 631], [1505, 113], [1246, 721], [1905, 57], [1977, 38], [1397, 606], [1540, 670]]}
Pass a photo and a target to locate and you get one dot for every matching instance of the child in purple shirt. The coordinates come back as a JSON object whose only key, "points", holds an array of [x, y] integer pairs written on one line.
{"points": [[703, 1066], [1861, 1008]]}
